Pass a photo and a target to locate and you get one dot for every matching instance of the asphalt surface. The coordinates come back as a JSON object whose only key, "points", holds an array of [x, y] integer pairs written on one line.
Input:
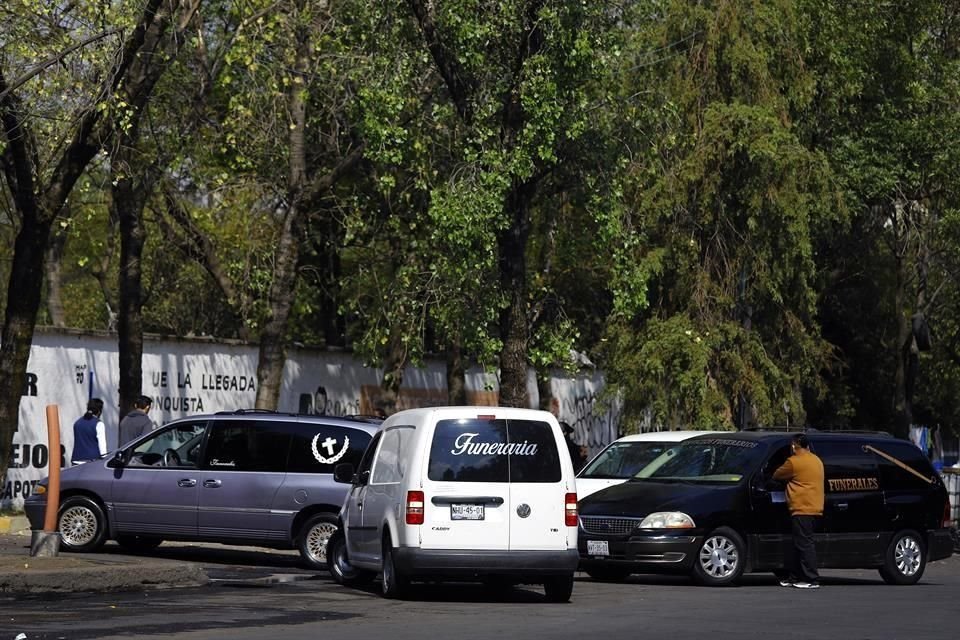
{"points": [[21, 572]]}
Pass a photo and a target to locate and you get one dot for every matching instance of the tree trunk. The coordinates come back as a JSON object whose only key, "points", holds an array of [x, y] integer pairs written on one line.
{"points": [[544, 390], [58, 241], [393, 365], [272, 356], [129, 197], [514, 320], [273, 353], [23, 303], [456, 374]]}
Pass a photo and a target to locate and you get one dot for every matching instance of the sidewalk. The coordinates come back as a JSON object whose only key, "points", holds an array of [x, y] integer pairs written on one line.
{"points": [[68, 572]]}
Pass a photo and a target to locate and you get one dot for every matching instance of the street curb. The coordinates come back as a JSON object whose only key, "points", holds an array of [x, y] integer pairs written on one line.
{"points": [[104, 577], [15, 524]]}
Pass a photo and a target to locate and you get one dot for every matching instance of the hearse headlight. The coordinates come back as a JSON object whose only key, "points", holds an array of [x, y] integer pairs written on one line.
{"points": [[667, 520]]}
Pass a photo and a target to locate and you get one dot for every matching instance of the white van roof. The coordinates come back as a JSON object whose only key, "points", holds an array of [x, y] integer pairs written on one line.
{"points": [[421, 415]]}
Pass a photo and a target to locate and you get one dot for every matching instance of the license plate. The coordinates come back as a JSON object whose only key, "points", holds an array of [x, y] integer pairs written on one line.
{"points": [[466, 512], [598, 548]]}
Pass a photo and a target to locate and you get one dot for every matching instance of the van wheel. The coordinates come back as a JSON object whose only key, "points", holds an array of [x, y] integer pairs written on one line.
{"points": [[138, 544], [720, 559], [339, 565], [559, 588], [905, 559], [314, 537], [608, 574], [82, 525], [395, 584]]}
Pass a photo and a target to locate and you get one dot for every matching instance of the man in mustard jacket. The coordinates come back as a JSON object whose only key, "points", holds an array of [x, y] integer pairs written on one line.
{"points": [[803, 473]]}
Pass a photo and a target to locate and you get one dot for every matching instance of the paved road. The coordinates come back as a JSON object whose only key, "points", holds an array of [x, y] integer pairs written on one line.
{"points": [[265, 596]]}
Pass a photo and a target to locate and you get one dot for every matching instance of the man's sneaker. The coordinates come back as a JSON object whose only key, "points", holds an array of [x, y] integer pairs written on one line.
{"points": [[806, 585], [786, 582]]}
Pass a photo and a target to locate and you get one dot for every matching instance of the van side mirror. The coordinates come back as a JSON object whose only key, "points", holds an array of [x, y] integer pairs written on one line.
{"points": [[120, 459], [343, 472]]}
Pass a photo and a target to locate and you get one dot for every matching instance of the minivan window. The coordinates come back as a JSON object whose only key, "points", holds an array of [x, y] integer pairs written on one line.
{"points": [[713, 460], [494, 451], [624, 459], [846, 460], [177, 446], [895, 478], [318, 448], [391, 460], [247, 446]]}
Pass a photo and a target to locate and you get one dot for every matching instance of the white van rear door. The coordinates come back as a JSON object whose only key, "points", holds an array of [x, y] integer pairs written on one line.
{"points": [[466, 489], [537, 487]]}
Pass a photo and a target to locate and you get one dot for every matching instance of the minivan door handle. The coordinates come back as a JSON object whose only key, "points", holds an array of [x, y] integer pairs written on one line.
{"points": [[842, 506], [211, 484], [186, 482]]}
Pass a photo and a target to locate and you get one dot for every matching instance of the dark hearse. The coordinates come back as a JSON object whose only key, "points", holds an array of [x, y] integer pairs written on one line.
{"points": [[709, 507]]}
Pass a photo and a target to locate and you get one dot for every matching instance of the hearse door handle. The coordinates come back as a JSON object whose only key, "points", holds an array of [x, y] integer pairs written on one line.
{"points": [[211, 484], [842, 506], [186, 482]]}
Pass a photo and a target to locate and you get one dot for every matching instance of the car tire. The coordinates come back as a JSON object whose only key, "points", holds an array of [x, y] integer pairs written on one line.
{"points": [[394, 584], [82, 525], [905, 559], [138, 544], [314, 538], [558, 588], [608, 574], [720, 559], [339, 564]]}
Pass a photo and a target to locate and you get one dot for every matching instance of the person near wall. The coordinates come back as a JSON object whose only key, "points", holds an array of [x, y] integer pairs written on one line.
{"points": [[89, 434], [137, 422], [803, 473]]}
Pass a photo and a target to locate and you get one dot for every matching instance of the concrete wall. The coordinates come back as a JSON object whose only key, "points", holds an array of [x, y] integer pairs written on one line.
{"points": [[191, 376]]}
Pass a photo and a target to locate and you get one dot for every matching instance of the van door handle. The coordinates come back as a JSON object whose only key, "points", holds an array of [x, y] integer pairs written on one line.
{"points": [[842, 506], [211, 484], [494, 500], [186, 482]]}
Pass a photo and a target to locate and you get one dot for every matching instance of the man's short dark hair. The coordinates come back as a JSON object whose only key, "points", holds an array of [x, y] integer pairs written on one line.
{"points": [[801, 441], [142, 402]]}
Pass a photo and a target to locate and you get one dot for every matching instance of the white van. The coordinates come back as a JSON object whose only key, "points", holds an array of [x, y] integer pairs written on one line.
{"points": [[623, 458], [465, 493]]}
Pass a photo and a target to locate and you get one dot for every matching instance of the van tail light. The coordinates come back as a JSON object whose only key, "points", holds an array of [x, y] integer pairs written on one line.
{"points": [[947, 519], [414, 507], [570, 509]]}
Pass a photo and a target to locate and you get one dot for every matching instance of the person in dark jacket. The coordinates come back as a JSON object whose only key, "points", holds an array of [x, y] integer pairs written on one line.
{"points": [[137, 422], [89, 434]]}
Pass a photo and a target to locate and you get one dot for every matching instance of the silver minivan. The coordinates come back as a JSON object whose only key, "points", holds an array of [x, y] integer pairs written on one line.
{"points": [[247, 477]]}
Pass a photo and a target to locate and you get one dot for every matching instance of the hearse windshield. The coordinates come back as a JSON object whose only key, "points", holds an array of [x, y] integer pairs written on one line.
{"points": [[622, 460], [715, 460]]}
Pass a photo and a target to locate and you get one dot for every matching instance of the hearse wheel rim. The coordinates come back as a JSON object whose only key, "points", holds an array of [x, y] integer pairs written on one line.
{"points": [[719, 557], [908, 555], [78, 526], [317, 540]]}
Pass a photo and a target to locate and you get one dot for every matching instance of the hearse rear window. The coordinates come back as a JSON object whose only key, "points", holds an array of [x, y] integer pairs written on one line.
{"points": [[493, 451]]}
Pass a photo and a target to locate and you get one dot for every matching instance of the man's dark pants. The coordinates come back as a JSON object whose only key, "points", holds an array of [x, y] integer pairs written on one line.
{"points": [[804, 565]]}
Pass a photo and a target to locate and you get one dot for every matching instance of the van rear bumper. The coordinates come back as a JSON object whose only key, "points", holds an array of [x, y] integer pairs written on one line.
{"points": [[939, 544], [452, 563]]}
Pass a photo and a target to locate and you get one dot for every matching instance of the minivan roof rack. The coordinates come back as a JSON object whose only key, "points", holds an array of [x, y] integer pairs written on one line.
{"points": [[807, 429]]}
